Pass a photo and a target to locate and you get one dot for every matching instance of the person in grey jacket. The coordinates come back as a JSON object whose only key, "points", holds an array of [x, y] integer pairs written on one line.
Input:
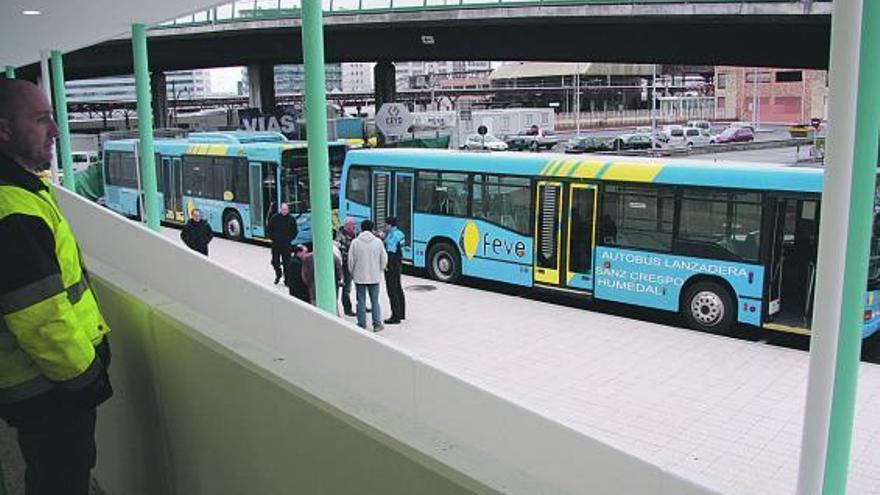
{"points": [[367, 260]]}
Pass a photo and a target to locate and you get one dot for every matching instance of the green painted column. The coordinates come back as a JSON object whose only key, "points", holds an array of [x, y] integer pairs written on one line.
{"points": [[846, 222], [319, 161], [861, 213], [60, 96], [10, 72], [146, 153]]}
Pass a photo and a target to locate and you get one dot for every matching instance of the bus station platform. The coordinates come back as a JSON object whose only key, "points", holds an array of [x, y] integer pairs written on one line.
{"points": [[723, 412]]}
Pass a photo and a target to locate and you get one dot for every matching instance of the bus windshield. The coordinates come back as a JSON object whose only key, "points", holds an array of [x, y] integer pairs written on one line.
{"points": [[295, 191]]}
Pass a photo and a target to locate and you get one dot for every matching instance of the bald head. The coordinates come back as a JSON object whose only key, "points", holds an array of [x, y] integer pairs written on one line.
{"points": [[27, 128]]}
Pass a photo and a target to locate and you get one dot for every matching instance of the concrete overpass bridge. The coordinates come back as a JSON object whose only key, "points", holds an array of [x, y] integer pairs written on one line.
{"points": [[780, 33]]}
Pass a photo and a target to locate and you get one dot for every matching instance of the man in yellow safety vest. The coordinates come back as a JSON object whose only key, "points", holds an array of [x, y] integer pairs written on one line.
{"points": [[53, 347]]}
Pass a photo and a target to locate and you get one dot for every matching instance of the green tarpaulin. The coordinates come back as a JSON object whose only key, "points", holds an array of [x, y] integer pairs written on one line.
{"points": [[90, 182]]}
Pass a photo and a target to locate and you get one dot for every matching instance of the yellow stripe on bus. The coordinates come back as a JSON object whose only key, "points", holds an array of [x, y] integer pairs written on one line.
{"points": [[632, 171], [586, 170], [551, 167], [565, 168], [208, 149], [779, 327]]}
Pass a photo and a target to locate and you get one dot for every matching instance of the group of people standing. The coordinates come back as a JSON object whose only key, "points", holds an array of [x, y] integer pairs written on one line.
{"points": [[360, 258]]}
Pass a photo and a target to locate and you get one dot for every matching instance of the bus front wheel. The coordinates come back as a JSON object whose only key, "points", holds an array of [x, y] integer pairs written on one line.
{"points": [[233, 226], [444, 263], [708, 306]]}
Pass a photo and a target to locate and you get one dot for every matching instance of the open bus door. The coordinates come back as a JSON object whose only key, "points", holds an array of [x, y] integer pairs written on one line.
{"points": [[403, 209], [263, 180], [565, 235], [793, 233], [173, 189]]}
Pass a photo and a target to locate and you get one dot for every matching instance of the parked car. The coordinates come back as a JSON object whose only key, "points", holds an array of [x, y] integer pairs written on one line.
{"points": [[671, 133], [695, 136], [674, 136], [533, 138], [487, 142], [734, 135], [737, 125], [589, 144], [700, 124], [626, 142]]}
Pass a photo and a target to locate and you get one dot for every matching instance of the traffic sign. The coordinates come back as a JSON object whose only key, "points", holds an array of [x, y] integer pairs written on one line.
{"points": [[394, 119]]}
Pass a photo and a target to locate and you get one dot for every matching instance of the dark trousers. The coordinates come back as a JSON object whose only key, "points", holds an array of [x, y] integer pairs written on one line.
{"points": [[280, 259], [59, 450], [394, 287], [56, 433], [346, 289]]}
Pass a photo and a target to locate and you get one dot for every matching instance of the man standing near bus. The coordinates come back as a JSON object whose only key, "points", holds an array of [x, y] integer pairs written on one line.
{"points": [[394, 241], [54, 352], [344, 237], [282, 231], [196, 233], [367, 260]]}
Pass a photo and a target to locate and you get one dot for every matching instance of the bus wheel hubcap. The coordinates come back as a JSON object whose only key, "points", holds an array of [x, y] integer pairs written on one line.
{"points": [[233, 227], [443, 264], [707, 308]]}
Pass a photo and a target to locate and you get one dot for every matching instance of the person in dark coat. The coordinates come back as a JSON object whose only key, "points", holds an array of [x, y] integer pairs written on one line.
{"points": [[344, 236], [293, 274], [196, 233], [395, 239], [282, 231]]}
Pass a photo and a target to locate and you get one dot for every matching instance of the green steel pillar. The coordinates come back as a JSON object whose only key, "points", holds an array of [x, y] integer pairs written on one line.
{"points": [[319, 162], [60, 96], [846, 222], [10, 72], [146, 153]]}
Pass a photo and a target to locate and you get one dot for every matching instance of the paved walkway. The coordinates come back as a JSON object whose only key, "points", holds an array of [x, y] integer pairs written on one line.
{"points": [[725, 412]]}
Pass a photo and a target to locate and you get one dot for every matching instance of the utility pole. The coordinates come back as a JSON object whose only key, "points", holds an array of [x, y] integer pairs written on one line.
{"points": [[577, 100], [755, 101], [654, 108]]}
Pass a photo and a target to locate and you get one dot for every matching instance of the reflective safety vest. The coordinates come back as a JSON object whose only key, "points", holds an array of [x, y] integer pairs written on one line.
{"points": [[50, 323]]}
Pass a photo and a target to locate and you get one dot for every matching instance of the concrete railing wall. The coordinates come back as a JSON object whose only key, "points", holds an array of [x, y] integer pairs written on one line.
{"points": [[225, 386]]}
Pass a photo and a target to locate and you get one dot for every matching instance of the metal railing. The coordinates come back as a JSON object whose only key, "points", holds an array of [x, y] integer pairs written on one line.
{"points": [[257, 10]]}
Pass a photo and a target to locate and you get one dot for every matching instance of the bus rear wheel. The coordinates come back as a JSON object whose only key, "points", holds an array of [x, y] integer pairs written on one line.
{"points": [[233, 228], [444, 263], [708, 306]]}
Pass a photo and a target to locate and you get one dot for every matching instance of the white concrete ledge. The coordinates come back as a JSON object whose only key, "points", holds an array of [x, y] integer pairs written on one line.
{"points": [[190, 308]]}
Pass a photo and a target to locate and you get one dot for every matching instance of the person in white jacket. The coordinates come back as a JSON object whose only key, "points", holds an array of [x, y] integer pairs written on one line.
{"points": [[367, 260]]}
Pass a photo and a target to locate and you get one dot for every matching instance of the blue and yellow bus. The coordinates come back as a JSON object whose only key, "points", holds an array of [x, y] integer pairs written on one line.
{"points": [[718, 242], [237, 179]]}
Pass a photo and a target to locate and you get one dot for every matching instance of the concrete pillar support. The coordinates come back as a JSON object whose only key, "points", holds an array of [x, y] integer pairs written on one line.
{"points": [[159, 99], [261, 85], [844, 239], [58, 90], [385, 83], [319, 160], [147, 159]]}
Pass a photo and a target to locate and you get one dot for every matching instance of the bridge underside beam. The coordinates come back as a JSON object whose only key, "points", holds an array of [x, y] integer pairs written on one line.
{"points": [[771, 41]]}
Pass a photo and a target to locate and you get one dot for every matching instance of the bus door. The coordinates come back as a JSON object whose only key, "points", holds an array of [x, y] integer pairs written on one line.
{"points": [[791, 256], [173, 189], [381, 198], [580, 236], [403, 209], [258, 200], [548, 233]]}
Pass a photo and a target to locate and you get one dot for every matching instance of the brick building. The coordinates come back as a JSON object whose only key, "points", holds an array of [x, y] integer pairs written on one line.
{"points": [[785, 96]]}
